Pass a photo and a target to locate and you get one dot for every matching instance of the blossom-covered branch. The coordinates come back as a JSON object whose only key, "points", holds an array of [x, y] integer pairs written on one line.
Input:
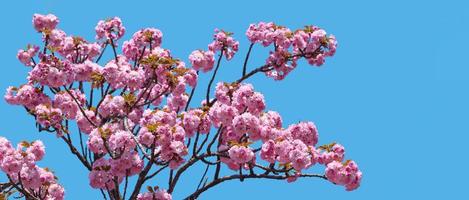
{"points": [[25, 178], [137, 119]]}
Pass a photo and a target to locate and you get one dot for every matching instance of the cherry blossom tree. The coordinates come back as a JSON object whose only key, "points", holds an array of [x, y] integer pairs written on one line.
{"points": [[133, 119]]}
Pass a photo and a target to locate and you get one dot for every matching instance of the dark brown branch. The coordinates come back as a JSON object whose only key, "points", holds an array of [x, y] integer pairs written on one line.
{"points": [[194, 151], [102, 52], [142, 175], [126, 184], [114, 50], [203, 176], [179, 172], [77, 154], [214, 74], [215, 182], [214, 139], [203, 143], [156, 172], [247, 58]]}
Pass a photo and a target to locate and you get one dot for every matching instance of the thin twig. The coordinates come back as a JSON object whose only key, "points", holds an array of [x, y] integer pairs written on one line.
{"points": [[246, 59], [214, 74], [203, 176]]}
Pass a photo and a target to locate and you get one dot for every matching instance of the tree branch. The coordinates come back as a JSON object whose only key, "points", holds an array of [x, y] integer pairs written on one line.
{"points": [[77, 154], [215, 182], [246, 59], [214, 74]]}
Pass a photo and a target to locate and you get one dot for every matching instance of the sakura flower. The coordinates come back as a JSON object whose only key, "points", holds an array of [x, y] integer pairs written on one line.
{"points": [[222, 41], [202, 60], [67, 102], [45, 22], [346, 174], [155, 195], [48, 116], [26, 56], [112, 106], [52, 72], [241, 154], [111, 28], [37, 149]]}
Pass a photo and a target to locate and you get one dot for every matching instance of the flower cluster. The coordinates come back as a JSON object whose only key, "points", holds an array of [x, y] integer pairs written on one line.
{"points": [[120, 74], [110, 29], [142, 43], [43, 23], [86, 70], [202, 60], [195, 120], [161, 130], [20, 167], [67, 104], [76, 49], [346, 174], [154, 195], [25, 56], [310, 43], [48, 116], [53, 72], [105, 170], [222, 41], [26, 95]]}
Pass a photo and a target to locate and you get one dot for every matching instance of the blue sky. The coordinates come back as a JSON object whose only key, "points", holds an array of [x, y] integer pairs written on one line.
{"points": [[396, 94]]}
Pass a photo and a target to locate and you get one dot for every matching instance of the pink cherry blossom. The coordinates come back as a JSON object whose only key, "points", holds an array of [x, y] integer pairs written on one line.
{"points": [[304, 131], [116, 74], [282, 62], [112, 106], [222, 41], [246, 123], [45, 22], [330, 154], [268, 151], [76, 49], [240, 154], [191, 121], [100, 176], [84, 71], [121, 140], [145, 36], [20, 166], [84, 123], [261, 32], [12, 162], [55, 192], [37, 149], [48, 116], [202, 60], [346, 174], [26, 56], [111, 28], [222, 114], [95, 140], [53, 72], [66, 102], [155, 195], [26, 95]]}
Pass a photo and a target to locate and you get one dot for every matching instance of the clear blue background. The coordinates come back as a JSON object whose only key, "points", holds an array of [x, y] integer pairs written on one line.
{"points": [[395, 95]]}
